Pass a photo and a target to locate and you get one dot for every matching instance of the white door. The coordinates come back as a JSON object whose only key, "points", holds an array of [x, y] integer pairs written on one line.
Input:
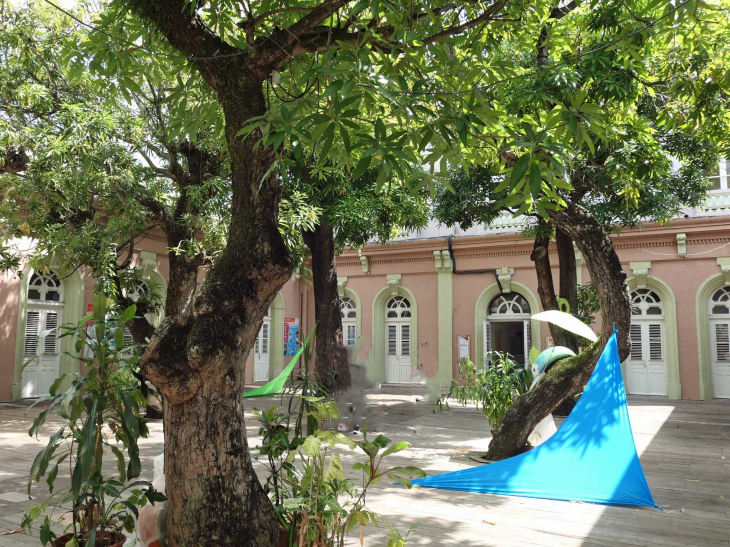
{"points": [[721, 358], [261, 353], [44, 354], [646, 367], [398, 352], [487, 334]]}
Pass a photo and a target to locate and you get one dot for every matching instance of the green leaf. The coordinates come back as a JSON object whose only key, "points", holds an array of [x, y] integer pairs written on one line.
{"points": [[121, 466], [99, 304], [334, 469], [88, 443], [311, 446], [535, 180], [362, 166], [128, 313], [519, 170], [397, 447]]}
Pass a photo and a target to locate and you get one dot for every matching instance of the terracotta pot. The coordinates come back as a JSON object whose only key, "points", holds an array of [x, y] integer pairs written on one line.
{"points": [[117, 538], [282, 536]]}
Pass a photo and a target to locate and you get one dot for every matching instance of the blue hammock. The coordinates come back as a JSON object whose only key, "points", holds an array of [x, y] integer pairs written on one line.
{"points": [[591, 458]]}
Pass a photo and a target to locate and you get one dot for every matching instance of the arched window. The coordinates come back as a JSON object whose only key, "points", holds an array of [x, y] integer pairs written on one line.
{"points": [[720, 303], [348, 312], [44, 313], [398, 307], [45, 288], [509, 304], [139, 289], [645, 302], [646, 368]]}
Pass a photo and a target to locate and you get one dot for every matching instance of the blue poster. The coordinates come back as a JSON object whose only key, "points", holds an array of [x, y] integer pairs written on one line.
{"points": [[291, 338]]}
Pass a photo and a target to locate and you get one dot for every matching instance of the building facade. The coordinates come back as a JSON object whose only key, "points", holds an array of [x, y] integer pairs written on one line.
{"points": [[407, 317]]}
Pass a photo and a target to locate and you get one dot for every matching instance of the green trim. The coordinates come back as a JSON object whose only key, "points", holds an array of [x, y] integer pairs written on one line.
{"points": [[669, 303], [276, 340], [73, 312], [704, 345], [376, 360], [347, 292], [480, 315], [445, 373]]}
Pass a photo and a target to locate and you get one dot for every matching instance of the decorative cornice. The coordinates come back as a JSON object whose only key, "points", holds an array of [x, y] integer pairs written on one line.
{"points": [[442, 261], [724, 263], [393, 282], [341, 284], [504, 274], [682, 245], [641, 270]]}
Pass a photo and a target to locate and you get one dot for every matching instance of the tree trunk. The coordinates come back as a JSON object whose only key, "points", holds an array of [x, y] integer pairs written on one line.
{"points": [[568, 273], [569, 376], [196, 358], [546, 288], [331, 364]]}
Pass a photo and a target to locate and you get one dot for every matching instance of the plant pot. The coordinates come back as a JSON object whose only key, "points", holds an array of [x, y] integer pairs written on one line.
{"points": [[111, 539], [283, 537]]}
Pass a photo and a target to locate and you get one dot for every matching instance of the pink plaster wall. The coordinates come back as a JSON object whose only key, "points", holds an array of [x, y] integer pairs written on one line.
{"points": [[9, 295]]}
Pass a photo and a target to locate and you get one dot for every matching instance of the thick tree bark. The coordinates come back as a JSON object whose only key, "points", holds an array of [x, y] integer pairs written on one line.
{"points": [[568, 273], [569, 376], [546, 288], [331, 364]]}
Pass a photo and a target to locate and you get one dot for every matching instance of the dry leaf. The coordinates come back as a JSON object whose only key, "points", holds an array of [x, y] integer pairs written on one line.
{"points": [[692, 480], [361, 538], [487, 522], [722, 497], [723, 457]]}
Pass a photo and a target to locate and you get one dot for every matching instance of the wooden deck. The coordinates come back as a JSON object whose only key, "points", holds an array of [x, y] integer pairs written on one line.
{"points": [[684, 448]]}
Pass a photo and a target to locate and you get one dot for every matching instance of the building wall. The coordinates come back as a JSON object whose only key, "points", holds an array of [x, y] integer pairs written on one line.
{"points": [[446, 304]]}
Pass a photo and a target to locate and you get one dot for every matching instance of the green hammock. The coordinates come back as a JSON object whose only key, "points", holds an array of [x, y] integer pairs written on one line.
{"points": [[277, 384]]}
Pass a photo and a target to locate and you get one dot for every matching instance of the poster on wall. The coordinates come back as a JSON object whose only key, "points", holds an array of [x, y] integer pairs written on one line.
{"points": [[463, 347], [291, 335], [549, 342]]}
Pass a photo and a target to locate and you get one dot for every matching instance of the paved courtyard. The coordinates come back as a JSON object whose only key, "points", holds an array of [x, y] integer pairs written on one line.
{"points": [[684, 448]]}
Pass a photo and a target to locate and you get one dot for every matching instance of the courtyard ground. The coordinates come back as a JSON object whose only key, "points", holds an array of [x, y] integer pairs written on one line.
{"points": [[684, 448]]}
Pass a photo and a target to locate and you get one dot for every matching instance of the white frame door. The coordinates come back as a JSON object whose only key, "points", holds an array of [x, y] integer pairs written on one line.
{"points": [[262, 349], [720, 332], [398, 352], [40, 373], [646, 366]]}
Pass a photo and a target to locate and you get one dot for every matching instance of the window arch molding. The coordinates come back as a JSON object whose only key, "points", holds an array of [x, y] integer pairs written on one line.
{"points": [[376, 370], [73, 311], [349, 293], [668, 304], [480, 314], [704, 342], [276, 338]]}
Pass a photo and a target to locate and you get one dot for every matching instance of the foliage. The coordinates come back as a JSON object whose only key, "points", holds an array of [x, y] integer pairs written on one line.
{"points": [[315, 502], [101, 405], [589, 304], [493, 388]]}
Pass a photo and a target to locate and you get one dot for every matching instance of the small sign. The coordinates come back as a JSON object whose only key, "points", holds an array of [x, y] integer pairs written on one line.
{"points": [[291, 335], [549, 342], [463, 347]]}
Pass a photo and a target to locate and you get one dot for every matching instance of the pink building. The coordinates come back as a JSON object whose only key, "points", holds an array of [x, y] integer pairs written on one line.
{"points": [[407, 317]]}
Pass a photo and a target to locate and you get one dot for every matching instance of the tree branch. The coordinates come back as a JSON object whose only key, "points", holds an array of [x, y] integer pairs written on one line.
{"points": [[457, 29]]}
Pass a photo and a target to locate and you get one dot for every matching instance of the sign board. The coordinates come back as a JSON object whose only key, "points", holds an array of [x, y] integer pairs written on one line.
{"points": [[549, 342], [463, 347], [292, 335]]}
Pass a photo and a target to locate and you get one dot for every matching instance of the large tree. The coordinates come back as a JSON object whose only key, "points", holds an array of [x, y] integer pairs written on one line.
{"points": [[388, 77], [664, 110], [350, 212]]}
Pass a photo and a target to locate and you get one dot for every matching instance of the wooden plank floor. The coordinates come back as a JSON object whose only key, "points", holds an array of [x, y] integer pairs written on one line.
{"points": [[684, 448]]}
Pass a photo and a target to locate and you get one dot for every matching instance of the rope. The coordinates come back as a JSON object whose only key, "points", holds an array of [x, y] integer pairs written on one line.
{"points": [[688, 254]]}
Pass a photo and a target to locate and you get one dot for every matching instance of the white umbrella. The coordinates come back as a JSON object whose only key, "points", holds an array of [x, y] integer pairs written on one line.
{"points": [[567, 322]]}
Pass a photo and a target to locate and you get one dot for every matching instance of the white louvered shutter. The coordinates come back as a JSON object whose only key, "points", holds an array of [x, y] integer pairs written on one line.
{"points": [[528, 341], [32, 324], [487, 333], [128, 339], [722, 342], [637, 352], [392, 339], [49, 343], [405, 339], [656, 347]]}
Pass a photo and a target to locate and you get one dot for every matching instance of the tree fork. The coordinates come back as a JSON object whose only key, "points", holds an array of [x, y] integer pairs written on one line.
{"points": [[569, 376], [331, 368]]}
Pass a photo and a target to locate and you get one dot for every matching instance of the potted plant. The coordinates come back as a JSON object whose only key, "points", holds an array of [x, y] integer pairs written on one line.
{"points": [[316, 504], [100, 414]]}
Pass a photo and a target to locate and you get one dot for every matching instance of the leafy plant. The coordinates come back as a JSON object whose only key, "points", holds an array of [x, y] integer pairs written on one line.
{"points": [[493, 389], [315, 503], [100, 411]]}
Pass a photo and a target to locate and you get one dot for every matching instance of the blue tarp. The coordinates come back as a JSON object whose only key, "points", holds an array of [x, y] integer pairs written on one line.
{"points": [[592, 457]]}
